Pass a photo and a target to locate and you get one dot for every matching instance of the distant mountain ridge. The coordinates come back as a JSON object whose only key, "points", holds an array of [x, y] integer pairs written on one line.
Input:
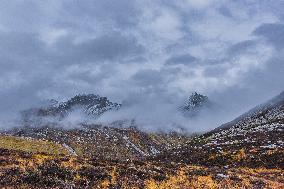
{"points": [[92, 105], [113, 140]]}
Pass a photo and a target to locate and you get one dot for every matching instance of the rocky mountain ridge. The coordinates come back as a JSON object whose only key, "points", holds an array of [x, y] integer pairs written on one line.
{"points": [[248, 154], [90, 104], [95, 105], [195, 103]]}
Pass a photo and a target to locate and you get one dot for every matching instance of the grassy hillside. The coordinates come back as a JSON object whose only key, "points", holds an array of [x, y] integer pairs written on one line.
{"points": [[31, 145]]}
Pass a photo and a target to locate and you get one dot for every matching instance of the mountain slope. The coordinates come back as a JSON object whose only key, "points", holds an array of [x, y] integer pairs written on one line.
{"points": [[105, 142], [262, 126], [263, 112], [247, 154], [254, 139]]}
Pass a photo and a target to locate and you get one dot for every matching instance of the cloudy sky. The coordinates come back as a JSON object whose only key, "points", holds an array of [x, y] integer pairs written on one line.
{"points": [[231, 51]]}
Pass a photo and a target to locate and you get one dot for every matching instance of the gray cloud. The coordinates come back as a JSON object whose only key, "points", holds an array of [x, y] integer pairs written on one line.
{"points": [[156, 51], [181, 59], [273, 33], [241, 47], [146, 77], [111, 47]]}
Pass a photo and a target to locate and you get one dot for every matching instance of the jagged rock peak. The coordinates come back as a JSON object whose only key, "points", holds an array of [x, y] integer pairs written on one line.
{"points": [[89, 99], [196, 101], [92, 104]]}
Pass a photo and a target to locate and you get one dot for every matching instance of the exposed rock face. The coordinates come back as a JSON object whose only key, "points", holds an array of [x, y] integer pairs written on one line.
{"points": [[196, 102], [91, 105]]}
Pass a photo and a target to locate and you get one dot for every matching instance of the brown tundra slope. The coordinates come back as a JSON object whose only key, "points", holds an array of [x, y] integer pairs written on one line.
{"points": [[245, 153]]}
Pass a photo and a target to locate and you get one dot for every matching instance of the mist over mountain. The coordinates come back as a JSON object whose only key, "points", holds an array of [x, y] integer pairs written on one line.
{"points": [[156, 52], [91, 104], [141, 94], [196, 102], [90, 109], [252, 144]]}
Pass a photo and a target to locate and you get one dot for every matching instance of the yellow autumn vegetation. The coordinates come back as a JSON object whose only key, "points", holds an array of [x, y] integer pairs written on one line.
{"points": [[181, 180], [31, 145]]}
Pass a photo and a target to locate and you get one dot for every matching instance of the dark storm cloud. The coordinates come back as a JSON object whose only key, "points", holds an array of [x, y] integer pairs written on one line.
{"points": [[123, 13], [181, 59], [146, 77], [156, 51], [111, 47], [19, 47], [241, 47], [225, 11], [273, 33]]}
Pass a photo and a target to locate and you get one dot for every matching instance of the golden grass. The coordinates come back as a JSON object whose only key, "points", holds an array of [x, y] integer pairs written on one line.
{"points": [[247, 178], [31, 145]]}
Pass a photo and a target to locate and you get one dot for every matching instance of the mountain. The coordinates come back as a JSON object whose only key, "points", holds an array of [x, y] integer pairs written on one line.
{"points": [[195, 103], [263, 126], [253, 139], [89, 140], [245, 153], [265, 112], [104, 142], [95, 105], [91, 105]]}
